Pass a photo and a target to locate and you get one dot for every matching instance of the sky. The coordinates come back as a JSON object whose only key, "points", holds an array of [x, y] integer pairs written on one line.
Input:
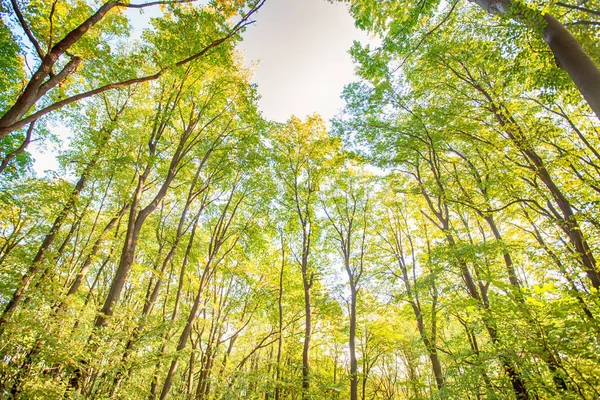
{"points": [[299, 49], [302, 48]]}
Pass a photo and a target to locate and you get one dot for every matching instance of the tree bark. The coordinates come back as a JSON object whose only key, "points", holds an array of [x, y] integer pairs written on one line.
{"points": [[35, 266], [307, 284], [568, 53], [352, 345], [307, 334], [571, 57], [43, 80], [280, 325]]}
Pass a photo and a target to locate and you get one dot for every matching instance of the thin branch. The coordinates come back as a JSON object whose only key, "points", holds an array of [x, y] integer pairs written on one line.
{"points": [[18, 151], [593, 23], [578, 8], [25, 27], [154, 3], [435, 28], [51, 18]]}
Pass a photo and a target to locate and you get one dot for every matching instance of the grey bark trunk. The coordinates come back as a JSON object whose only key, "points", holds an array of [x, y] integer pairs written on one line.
{"points": [[571, 57], [568, 53]]}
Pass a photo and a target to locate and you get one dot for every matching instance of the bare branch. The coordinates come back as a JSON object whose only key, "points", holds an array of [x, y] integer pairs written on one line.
{"points": [[593, 23]]}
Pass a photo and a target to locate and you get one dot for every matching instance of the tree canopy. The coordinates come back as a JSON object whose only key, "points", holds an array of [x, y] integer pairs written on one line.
{"points": [[438, 239]]}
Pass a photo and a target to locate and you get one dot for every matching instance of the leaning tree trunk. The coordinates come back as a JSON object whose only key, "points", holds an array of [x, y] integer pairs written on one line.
{"points": [[568, 53], [571, 57], [441, 213], [36, 264]]}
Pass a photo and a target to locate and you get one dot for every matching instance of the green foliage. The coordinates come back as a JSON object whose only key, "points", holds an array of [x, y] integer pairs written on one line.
{"points": [[451, 193], [11, 65]]}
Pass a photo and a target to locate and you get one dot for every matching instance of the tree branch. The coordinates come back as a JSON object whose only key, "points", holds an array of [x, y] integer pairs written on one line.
{"points": [[155, 3], [51, 20], [18, 151], [578, 8], [26, 29], [593, 23], [435, 28], [62, 75], [240, 25]]}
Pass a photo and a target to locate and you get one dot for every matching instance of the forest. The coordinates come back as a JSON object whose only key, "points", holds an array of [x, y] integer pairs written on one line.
{"points": [[437, 239]]}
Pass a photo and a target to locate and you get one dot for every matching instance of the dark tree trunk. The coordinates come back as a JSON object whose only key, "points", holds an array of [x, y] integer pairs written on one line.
{"points": [[568, 53]]}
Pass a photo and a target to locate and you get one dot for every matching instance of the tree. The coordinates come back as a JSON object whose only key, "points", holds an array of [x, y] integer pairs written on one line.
{"points": [[438, 242], [45, 79], [399, 244], [398, 23], [303, 155], [567, 51], [347, 209]]}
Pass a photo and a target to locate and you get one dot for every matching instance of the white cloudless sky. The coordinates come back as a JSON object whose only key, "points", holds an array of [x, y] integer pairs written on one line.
{"points": [[302, 48]]}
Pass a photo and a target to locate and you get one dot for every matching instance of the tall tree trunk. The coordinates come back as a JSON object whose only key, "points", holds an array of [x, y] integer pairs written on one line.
{"points": [[137, 219], [187, 330], [552, 362], [567, 51], [396, 247], [35, 266], [307, 332], [307, 281], [280, 324], [174, 313], [439, 208], [352, 344], [153, 293], [219, 235], [571, 57], [515, 133]]}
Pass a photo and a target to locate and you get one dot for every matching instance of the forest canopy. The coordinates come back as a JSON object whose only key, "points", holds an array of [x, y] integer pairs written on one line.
{"points": [[437, 239]]}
